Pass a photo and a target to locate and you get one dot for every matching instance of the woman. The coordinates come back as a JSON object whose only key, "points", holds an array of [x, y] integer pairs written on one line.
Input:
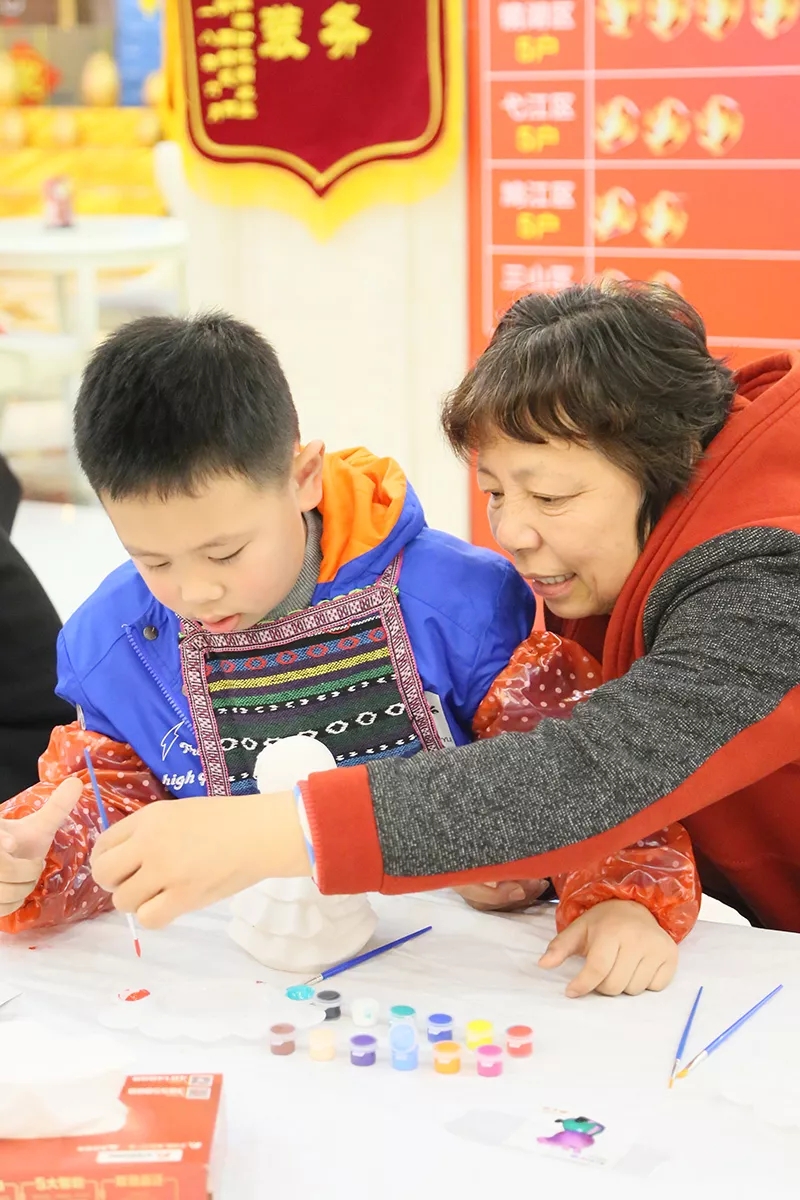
{"points": [[652, 498]]}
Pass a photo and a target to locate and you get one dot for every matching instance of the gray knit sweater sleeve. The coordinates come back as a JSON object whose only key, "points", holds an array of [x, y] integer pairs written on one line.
{"points": [[722, 636]]}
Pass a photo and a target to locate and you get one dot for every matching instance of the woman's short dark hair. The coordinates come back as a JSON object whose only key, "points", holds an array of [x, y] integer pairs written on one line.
{"points": [[623, 367]]}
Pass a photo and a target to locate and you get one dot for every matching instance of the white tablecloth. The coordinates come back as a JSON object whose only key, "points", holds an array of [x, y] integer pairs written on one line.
{"points": [[294, 1125]]}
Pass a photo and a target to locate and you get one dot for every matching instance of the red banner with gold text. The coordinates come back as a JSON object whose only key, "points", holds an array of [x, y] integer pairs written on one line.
{"points": [[648, 139], [317, 107]]}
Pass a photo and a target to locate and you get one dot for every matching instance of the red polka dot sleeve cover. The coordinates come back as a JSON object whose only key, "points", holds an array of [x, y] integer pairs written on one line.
{"points": [[547, 677], [66, 890]]}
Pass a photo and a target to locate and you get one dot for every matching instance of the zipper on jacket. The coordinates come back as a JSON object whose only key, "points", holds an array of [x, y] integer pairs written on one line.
{"points": [[140, 655]]}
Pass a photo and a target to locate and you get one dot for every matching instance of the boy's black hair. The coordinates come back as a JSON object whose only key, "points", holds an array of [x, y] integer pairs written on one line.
{"points": [[169, 402]]}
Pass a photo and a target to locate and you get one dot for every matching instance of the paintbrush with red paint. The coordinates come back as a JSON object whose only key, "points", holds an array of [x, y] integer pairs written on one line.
{"points": [[104, 821]]}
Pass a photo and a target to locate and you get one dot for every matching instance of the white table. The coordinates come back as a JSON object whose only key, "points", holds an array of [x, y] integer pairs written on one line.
{"points": [[91, 245], [300, 1128]]}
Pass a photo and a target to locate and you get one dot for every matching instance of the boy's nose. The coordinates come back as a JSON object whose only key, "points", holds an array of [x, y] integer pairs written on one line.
{"points": [[197, 593]]}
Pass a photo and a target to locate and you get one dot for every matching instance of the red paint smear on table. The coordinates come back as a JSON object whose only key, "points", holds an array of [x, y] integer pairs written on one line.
{"points": [[142, 994]]}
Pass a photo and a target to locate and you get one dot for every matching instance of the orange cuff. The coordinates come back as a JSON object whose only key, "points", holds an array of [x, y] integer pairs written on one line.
{"points": [[341, 822]]}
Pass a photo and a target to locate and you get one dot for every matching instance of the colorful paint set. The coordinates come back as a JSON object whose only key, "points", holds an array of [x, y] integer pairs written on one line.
{"points": [[404, 1042]]}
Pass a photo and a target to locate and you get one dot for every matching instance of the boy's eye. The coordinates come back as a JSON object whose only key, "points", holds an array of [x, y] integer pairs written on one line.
{"points": [[229, 557]]}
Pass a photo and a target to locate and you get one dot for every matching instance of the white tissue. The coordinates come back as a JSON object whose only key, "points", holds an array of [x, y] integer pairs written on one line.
{"points": [[56, 1085], [287, 924]]}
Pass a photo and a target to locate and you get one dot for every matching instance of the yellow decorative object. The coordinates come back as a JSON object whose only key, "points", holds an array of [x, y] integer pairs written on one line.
{"points": [[36, 77], [149, 7], [276, 32], [154, 90], [148, 131], [13, 134], [64, 130], [109, 165], [100, 83], [9, 84]]}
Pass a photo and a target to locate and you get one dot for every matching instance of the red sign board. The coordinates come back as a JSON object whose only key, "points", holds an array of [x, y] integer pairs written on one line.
{"points": [[652, 139], [318, 87]]}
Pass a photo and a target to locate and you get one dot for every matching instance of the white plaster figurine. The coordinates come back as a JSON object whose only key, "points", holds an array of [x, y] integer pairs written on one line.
{"points": [[287, 924]]}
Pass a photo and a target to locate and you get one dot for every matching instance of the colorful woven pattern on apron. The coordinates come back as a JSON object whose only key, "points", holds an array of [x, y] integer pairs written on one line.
{"points": [[342, 672]]}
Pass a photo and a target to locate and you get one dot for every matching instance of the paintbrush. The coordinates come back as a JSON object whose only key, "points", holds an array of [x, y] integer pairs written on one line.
{"points": [[726, 1033], [354, 962], [687, 1029], [104, 822]]}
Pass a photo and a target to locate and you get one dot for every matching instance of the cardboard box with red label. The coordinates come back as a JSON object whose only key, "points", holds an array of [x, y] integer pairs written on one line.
{"points": [[168, 1149]]}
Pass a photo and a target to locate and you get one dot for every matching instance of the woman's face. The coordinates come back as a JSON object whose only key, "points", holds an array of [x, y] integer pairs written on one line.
{"points": [[567, 515]]}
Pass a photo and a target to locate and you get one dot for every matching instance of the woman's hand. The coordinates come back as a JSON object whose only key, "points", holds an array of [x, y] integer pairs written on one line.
{"points": [[176, 856], [512, 895]]}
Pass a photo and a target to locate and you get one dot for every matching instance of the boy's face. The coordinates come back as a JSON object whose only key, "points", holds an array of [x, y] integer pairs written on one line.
{"points": [[228, 555], [567, 515]]}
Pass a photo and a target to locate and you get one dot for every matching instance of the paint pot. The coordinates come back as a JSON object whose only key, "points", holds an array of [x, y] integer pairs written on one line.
{"points": [[321, 1044], [446, 1058], [519, 1041], [440, 1027], [332, 1003], [479, 1033], [300, 991], [490, 1061], [404, 1047], [365, 1012], [281, 1040], [402, 1014], [363, 1050]]}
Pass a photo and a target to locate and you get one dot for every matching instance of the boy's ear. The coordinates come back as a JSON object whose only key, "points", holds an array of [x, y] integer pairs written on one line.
{"points": [[307, 472]]}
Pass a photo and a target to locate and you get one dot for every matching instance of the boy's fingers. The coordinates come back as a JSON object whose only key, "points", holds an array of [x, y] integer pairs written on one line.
{"points": [[662, 976], [620, 975], [44, 824], [16, 871], [643, 976], [600, 963], [570, 941]]}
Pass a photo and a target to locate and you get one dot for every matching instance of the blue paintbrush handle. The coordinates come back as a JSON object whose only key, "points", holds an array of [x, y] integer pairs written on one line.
{"points": [[101, 808], [688, 1027], [726, 1033], [354, 962]]}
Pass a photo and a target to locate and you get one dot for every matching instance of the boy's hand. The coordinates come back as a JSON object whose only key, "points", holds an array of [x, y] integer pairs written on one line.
{"points": [[24, 844], [625, 948], [176, 856], [512, 895]]}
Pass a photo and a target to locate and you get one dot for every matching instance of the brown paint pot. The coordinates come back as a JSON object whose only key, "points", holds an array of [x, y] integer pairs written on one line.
{"points": [[281, 1040]]}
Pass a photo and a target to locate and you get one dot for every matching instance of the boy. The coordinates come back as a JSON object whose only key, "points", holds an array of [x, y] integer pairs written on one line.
{"points": [[312, 599]]}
